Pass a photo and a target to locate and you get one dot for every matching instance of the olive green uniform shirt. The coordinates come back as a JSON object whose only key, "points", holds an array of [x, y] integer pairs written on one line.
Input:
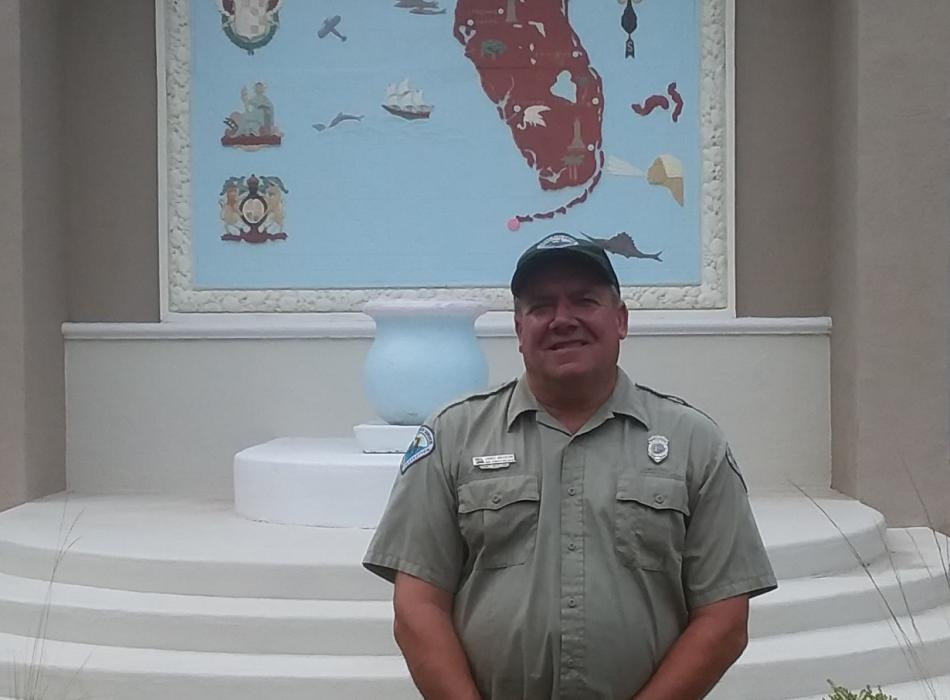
{"points": [[574, 565]]}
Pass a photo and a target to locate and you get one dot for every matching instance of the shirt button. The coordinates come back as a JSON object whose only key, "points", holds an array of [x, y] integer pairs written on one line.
{"points": [[569, 663], [660, 498], [571, 603], [572, 546], [571, 491], [496, 498]]}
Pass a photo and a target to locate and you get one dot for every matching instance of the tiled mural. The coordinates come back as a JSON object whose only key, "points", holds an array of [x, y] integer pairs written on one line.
{"points": [[420, 144]]}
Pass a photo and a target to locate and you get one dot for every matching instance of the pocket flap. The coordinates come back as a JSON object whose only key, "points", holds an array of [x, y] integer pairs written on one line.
{"points": [[657, 492], [498, 492]]}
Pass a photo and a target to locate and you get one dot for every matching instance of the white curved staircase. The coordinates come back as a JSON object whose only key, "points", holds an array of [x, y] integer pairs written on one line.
{"points": [[159, 598]]}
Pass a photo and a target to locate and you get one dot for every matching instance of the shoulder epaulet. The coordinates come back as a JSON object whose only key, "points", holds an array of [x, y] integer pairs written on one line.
{"points": [[735, 467], [675, 399], [480, 394]]}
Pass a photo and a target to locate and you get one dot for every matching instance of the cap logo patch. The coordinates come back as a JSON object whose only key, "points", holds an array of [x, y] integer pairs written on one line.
{"points": [[658, 447], [557, 240], [422, 444]]}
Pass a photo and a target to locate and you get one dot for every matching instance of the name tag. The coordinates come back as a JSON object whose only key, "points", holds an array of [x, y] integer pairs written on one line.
{"points": [[493, 461]]}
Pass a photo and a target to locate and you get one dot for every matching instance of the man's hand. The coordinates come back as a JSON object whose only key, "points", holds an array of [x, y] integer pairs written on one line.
{"points": [[427, 638], [715, 637]]}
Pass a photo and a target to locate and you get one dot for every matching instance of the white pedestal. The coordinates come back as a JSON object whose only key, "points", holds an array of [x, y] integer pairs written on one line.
{"points": [[315, 481]]}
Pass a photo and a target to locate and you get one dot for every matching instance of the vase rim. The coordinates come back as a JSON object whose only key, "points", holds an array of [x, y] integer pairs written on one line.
{"points": [[424, 307]]}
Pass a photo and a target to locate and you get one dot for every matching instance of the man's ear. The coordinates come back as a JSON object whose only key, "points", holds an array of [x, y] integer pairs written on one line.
{"points": [[518, 328], [623, 318]]}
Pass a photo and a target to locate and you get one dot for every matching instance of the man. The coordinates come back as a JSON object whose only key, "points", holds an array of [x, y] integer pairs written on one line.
{"points": [[569, 534]]}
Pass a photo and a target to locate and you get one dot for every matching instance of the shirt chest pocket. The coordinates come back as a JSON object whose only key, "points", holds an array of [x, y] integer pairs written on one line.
{"points": [[650, 517], [498, 518]]}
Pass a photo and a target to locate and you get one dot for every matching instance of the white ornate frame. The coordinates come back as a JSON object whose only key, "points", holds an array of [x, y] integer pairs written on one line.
{"points": [[716, 292]]}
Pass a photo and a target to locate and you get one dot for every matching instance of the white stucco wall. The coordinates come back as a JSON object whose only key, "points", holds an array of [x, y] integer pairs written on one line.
{"points": [[167, 415]]}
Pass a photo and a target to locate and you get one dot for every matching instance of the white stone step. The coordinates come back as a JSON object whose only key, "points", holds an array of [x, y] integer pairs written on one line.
{"points": [[153, 590], [912, 577], [201, 547], [263, 625], [789, 665], [819, 533], [771, 669], [79, 671], [195, 623], [183, 545]]}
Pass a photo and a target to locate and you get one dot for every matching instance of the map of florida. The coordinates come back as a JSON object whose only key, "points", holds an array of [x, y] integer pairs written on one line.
{"points": [[534, 68]]}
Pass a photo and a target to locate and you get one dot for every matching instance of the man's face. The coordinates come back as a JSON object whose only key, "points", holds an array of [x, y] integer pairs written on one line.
{"points": [[569, 323]]}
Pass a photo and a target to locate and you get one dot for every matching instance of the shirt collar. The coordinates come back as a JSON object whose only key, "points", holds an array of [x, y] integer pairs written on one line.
{"points": [[625, 400], [522, 401]]}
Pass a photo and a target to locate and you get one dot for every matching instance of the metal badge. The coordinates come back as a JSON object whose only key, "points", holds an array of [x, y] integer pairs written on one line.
{"points": [[658, 447]]}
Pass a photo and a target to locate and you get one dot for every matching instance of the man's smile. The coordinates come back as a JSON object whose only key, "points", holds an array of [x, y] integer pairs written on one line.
{"points": [[567, 344]]}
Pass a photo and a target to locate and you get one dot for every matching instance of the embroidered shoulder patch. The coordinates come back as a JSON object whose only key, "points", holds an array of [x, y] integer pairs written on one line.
{"points": [[422, 444]]}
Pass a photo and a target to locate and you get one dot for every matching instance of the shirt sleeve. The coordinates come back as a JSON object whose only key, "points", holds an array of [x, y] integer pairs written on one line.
{"points": [[724, 554], [419, 533]]}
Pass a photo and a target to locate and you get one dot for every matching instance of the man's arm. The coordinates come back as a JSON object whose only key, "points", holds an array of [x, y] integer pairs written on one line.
{"points": [[427, 638], [715, 637]]}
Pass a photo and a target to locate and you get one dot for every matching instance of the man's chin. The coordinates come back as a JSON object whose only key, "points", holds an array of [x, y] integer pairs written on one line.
{"points": [[570, 370]]}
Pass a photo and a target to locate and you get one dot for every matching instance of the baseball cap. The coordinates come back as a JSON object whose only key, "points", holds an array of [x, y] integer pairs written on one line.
{"points": [[560, 246]]}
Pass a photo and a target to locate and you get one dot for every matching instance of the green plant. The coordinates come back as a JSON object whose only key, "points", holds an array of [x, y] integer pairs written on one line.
{"points": [[839, 693]]}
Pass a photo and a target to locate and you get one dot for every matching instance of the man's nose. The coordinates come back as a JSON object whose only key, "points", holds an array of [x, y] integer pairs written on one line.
{"points": [[563, 316]]}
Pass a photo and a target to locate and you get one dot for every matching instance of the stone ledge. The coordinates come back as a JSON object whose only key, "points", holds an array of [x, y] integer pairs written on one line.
{"points": [[494, 324]]}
